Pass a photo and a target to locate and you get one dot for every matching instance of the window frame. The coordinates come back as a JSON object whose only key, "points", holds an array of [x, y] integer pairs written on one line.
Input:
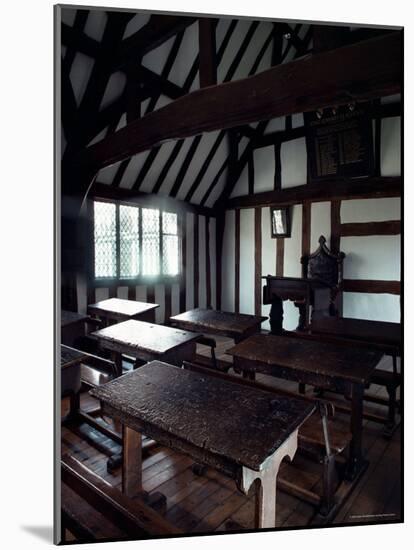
{"points": [[140, 278]]}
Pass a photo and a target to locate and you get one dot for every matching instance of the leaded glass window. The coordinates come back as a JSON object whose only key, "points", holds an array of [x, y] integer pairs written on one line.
{"points": [[105, 239], [150, 241], [132, 242], [128, 241]]}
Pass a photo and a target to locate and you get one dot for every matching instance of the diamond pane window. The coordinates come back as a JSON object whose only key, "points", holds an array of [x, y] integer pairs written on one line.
{"points": [[128, 241], [150, 241], [132, 242], [170, 255], [105, 239], [169, 223]]}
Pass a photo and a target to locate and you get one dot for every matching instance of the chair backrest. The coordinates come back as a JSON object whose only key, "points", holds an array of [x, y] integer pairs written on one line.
{"points": [[323, 265]]}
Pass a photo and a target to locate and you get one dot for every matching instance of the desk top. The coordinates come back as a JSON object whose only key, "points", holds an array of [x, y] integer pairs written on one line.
{"points": [[117, 307], [70, 356], [238, 423], [370, 332], [353, 364], [130, 336], [71, 317], [218, 322]]}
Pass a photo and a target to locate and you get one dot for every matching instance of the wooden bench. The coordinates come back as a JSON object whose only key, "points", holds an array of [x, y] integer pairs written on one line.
{"points": [[319, 439], [92, 509]]}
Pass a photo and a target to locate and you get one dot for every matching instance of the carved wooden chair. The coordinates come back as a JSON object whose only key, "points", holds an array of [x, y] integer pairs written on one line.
{"points": [[325, 266]]}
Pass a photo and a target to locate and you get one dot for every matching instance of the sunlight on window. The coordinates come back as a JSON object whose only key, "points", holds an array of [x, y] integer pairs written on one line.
{"points": [[105, 239], [150, 241], [129, 241]]}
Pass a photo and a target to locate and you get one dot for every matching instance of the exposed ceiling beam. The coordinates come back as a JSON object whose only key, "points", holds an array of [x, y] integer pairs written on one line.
{"points": [[356, 188], [365, 70], [102, 190]]}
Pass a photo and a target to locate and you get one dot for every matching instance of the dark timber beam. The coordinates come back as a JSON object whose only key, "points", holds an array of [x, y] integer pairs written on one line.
{"points": [[103, 191], [357, 188], [207, 52], [362, 71]]}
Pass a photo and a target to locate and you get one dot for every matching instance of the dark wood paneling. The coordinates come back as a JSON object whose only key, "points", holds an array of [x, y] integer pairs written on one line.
{"points": [[237, 262], [207, 55], [196, 260], [319, 192], [306, 228], [257, 260], [132, 293], [392, 227], [250, 173], [371, 286], [335, 226], [280, 257], [168, 303], [150, 294], [365, 70], [220, 228], [278, 168]]}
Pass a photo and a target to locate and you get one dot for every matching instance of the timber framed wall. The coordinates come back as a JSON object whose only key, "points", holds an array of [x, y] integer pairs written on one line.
{"points": [[367, 229]]}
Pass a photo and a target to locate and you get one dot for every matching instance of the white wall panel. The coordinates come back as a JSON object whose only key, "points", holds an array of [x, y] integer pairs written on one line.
{"points": [[268, 258], [293, 245], [264, 169], [375, 307], [242, 186], [370, 210], [294, 163], [247, 261], [122, 292], [227, 285], [320, 223], [101, 294], [376, 257], [391, 146], [141, 293]]}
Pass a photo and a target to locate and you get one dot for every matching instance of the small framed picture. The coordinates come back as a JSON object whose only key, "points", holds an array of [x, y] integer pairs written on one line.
{"points": [[280, 221]]}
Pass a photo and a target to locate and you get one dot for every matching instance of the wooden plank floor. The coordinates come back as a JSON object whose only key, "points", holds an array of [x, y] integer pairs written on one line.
{"points": [[212, 502]]}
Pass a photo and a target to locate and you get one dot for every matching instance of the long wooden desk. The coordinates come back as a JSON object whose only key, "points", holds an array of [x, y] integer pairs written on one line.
{"points": [[328, 366], [237, 326], [146, 342], [118, 309], [243, 432]]}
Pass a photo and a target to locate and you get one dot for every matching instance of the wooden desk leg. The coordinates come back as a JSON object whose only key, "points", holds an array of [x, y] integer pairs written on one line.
{"points": [[265, 512], [355, 453], [132, 462], [117, 359]]}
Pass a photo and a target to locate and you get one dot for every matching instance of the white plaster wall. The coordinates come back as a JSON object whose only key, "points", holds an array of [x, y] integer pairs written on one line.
{"points": [[375, 307], [228, 257], [247, 261], [370, 210], [376, 257], [264, 169], [189, 271], [391, 146], [268, 258], [294, 163], [320, 223]]}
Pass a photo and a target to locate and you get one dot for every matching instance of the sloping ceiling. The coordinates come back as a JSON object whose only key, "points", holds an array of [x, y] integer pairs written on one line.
{"points": [[194, 169]]}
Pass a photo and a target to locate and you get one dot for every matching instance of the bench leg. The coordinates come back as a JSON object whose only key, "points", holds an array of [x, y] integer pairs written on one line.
{"points": [[266, 480], [329, 479]]}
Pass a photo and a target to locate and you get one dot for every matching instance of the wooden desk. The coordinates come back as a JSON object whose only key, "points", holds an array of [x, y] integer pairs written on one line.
{"points": [[324, 365], [243, 432], [303, 292], [117, 309], [233, 325], [146, 342], [380, 335], [72, 326], [70, 381]]}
